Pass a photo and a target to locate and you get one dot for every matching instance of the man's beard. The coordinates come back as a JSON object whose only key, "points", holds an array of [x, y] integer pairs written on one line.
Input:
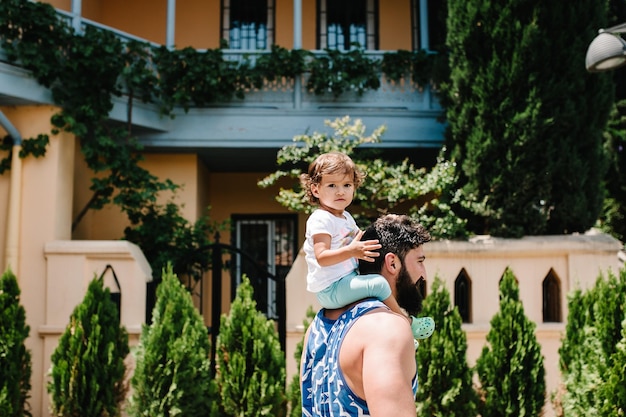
{"points": [[408, 294]]}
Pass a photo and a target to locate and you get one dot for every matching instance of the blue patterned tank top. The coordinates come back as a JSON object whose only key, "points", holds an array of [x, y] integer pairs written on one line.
{"points": [[324, 389]]}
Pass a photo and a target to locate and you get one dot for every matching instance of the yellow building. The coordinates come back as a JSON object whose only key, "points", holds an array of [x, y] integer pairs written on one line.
{"points": [[219, 152]]}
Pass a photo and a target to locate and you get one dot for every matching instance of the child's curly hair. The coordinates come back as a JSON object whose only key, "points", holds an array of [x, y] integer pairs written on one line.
{"points": [[328, 164]]}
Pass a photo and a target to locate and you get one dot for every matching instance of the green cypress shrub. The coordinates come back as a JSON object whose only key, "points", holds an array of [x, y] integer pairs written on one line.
{"points": [[578, 317], [15, 364], [510, 367], [589, 350], [172, 375], [445, 379], [586, 372], [88, 370], [250, 362], [613, 390], [525, 118]]}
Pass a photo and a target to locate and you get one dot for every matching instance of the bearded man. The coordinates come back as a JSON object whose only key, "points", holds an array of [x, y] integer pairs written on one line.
{"points": [[360, 360]]}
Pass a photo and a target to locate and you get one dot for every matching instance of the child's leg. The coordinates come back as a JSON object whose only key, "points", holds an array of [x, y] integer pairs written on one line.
{"points": [[338, 294], [356, 287]]}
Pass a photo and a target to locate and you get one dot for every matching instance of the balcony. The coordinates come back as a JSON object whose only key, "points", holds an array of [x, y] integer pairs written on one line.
{"points": [[266, 118]]}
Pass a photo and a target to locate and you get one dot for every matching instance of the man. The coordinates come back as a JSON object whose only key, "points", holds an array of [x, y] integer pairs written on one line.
{"points": [[360, 360]]}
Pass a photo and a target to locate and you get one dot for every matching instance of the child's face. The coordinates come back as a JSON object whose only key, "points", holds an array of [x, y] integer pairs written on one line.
{"points": [[335, 192]]}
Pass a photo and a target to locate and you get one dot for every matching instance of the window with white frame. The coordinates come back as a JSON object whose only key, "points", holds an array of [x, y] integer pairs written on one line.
{"points": [[347, 24], [248, 24]]}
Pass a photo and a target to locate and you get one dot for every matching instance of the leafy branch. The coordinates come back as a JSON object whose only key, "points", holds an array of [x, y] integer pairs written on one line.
{"points": [[387, 187]]}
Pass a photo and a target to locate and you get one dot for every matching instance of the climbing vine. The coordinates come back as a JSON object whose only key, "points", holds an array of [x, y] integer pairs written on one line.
{"points": [[85, 71]]}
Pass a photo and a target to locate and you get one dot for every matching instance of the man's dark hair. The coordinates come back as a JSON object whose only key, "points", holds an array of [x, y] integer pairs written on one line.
{"points": [[398, 234]]}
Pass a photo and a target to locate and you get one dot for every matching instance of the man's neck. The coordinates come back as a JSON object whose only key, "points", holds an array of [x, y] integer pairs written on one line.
{"points": [[334, 313]]}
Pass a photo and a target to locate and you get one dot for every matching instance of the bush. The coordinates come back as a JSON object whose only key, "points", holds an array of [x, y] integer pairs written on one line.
{"points": [[88, 367], [613, 391], [591, 356], [250, 362], [445, 379], [15, 365], [172, 375], [510, 368]]}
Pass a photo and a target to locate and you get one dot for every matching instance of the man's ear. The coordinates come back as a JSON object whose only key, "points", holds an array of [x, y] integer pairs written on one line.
{"points": [[392, 263]]}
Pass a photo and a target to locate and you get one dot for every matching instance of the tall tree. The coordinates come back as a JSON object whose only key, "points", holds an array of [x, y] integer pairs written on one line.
{"points": [[172, 376], [88, 369], [510, 367], [525, 118], [613, 219], [250, 362], [445, 379], [15, 364]]}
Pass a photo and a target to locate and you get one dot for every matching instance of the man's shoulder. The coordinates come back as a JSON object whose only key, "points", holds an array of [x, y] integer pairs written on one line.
{"points": [[380, 321]]}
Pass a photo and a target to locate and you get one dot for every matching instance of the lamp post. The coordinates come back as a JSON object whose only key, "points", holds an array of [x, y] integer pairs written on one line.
{"points": [[607, 51]]}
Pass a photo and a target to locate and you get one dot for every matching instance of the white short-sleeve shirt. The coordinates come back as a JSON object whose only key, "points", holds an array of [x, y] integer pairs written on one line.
{"points": [[342, 231]]}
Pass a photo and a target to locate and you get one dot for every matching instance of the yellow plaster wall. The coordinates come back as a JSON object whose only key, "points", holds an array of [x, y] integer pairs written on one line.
{"points": [[198, 24], [60, 4], [394, 24], [45, 214], [92, 9], [144, 18], [109, 223]]}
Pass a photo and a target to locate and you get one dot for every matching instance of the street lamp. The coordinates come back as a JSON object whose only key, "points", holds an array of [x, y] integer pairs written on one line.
{"points": [[607, 51]]}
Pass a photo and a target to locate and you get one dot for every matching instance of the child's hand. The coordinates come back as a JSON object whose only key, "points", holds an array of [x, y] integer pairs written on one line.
{"points": [[366, 249]]}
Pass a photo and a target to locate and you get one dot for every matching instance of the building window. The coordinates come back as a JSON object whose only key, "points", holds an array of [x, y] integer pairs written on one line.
{"points": [[463, 296], [347, 24], [552, 298], [267, 245], [428, 24], [248, 24]]}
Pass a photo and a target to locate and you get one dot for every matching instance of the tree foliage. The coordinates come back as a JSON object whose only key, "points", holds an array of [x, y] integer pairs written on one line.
{"points": [[388, 187], [510, 367], [88, 369], [613, 218], [15, 359], [591, 353], [613, 390], [250, 362], [172, 375], [525, 118], [445, 379]]}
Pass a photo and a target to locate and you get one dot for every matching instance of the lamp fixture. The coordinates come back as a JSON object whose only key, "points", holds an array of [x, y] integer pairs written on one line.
{"points": [[607, 51]]}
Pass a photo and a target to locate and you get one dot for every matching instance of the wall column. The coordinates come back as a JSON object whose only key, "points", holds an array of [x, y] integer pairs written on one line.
{"points": [[46, 214]]}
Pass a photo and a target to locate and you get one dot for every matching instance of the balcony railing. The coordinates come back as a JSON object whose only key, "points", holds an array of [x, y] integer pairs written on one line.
{"points": [[289, 93]]}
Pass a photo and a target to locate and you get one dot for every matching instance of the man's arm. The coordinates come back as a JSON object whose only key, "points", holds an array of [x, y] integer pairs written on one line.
{"points": [[388, 364]]}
